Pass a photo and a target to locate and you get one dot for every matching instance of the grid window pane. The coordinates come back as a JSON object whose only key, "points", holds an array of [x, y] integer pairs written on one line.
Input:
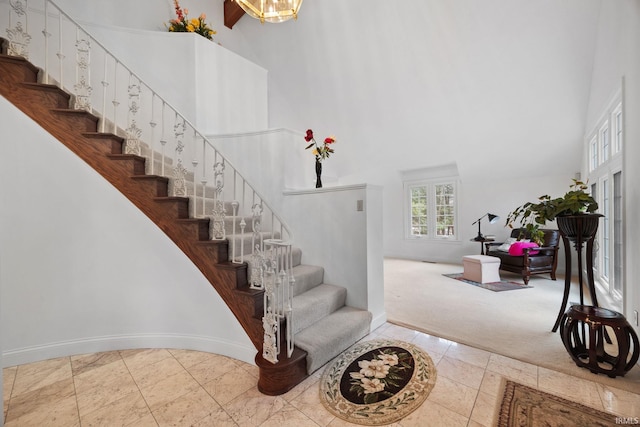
{"points": [[419, 226], [445, 199]]}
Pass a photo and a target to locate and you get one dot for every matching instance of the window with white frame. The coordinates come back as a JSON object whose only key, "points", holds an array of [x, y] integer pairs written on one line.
{"points": [[604, 142], [605, 147], [617, 129], [593, 153], [432, 209]]}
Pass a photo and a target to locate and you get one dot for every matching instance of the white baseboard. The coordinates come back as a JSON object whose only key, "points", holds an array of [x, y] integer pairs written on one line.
{"points": [[378, 321], [124, 342]]}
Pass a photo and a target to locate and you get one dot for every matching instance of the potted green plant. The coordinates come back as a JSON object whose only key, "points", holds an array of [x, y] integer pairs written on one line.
{"points": [[575, 203]]}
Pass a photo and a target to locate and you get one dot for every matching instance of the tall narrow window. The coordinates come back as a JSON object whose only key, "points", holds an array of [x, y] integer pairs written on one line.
{"points": [[593, 153], [606, 233], [617, 234], [596, 245], [604, 143], [617, 120], [445, 213], [419, 211]]}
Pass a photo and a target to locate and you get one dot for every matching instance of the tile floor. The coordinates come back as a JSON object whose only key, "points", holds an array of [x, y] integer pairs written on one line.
{"points": [[165, 387]]}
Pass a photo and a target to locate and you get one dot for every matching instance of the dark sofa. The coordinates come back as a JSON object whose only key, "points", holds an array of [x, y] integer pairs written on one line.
{"points": [[545, 261]]}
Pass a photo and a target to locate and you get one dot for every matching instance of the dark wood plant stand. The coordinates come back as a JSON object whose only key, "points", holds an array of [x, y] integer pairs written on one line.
{"points": [[584, 332], [579, 229]]}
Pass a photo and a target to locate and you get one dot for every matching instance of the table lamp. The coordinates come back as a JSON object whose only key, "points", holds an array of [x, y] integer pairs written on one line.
{"points": [[492, 220]]}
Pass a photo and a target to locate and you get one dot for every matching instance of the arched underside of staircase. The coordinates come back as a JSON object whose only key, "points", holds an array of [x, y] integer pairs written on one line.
{"points": [[48, 106]]}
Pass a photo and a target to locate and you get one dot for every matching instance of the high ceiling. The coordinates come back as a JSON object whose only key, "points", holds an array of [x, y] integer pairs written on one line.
{"points": [[497, 83]]}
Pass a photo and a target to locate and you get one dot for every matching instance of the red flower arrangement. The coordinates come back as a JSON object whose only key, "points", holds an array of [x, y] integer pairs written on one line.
{"points": [[320, 151]]}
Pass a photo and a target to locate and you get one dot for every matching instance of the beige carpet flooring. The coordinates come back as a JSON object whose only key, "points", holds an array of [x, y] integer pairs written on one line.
{"points": [[513, 323]]}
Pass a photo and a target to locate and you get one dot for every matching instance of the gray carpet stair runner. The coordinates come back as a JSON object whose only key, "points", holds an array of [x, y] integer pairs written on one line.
{"points": [[324, 326]]}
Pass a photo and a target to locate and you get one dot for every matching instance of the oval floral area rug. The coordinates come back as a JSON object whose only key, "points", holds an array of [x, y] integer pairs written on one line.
{"points": [[377, 382]]}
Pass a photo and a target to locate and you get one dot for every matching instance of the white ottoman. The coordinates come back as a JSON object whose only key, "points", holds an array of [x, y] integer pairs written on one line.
{"points": [[481, 268]]}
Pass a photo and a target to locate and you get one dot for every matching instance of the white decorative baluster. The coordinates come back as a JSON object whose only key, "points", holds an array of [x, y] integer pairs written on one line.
{"points": [[115, 101], [271, 318], [152, 124], [163, 141], [257, 257], [179, 171], [219, 214], [60, 53], [277, 282], [133, 132], [234, 205], [203, 181], [47, 35], [289, 308], [105, 85], [18, 36], [83, 73], [194, 162], [243, 224]]}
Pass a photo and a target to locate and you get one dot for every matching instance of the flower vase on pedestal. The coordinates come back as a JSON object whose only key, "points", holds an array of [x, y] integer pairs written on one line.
{"points": [[318, 174]]}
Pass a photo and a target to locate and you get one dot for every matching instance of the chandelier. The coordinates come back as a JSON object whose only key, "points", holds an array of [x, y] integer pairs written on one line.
{"points": [[271, 10]]}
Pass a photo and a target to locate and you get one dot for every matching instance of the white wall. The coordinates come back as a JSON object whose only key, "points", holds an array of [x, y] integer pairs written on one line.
{"points": [[83, 270], [324, 222], [438, 83], [617, 57], [498, 87], [346, 241], [217, 90]]}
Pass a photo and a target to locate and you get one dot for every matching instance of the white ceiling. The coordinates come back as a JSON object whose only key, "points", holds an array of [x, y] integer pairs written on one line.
{"points": [[427, 82]]}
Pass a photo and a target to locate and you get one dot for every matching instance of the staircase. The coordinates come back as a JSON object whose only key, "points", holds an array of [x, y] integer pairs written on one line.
{"points": [[323, 325]]}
